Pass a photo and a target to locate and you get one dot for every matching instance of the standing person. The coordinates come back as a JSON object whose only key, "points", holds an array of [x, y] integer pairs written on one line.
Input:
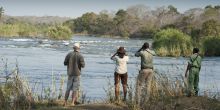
{"points": [[74, 62], [194, 66], [145, 75], [120, 71]]}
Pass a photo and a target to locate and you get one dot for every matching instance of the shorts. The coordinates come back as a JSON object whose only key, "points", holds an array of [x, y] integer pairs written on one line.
{"points": [[122, 77], [73, 83]]}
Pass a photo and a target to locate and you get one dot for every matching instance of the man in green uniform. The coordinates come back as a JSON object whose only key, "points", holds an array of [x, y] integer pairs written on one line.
{"points": [[194, 66]]}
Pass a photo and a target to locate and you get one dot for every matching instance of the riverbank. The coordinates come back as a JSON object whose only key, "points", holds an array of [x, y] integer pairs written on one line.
{"points": [[178, 103]]}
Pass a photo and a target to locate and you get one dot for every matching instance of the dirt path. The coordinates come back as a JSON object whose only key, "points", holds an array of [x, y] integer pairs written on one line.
{"points": [[178, 103]]}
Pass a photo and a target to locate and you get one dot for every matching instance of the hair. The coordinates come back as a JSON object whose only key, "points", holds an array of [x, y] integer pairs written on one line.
{"points": [[146, 45], [195, 50], [122, 54]]}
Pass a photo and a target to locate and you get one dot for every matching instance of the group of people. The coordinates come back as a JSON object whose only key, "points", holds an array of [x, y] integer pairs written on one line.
{"points": [[75, 61]]}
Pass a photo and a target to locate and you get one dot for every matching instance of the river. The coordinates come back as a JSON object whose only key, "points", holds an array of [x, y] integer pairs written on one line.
{"points": [[40, 60]]}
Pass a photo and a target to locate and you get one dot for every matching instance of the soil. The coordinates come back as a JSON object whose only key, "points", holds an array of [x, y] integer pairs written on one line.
{"points": [[178, 103]]}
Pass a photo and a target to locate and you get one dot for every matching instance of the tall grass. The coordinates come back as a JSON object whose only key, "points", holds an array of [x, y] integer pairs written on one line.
{"points": [[19, 29], [16, 92], [57, 32]]}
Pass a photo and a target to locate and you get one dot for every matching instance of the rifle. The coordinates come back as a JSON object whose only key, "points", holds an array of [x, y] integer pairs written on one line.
{"points": [[189, 66]]}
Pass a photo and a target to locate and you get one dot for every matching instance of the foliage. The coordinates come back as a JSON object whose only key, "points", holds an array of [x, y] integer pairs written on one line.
{"points": [[211, 28], [85, 23], [137, 21], [59, 32], [211, 46], [1, 12], [173, 42]]}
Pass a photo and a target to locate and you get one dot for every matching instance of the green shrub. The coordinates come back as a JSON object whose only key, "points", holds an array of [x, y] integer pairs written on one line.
{"points": [[211, 46], [174, 42], [59, 32], [19, 29]]}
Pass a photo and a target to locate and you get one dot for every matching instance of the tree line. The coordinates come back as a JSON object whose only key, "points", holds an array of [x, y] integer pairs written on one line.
{"points": [[174, 33], [34, 27], [197, 27]]}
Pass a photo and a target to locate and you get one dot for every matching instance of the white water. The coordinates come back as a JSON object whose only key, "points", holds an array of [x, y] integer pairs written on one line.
{"points": [[38, 59]]}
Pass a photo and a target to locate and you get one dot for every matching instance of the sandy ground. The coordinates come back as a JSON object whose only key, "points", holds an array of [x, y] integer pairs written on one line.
{"points": [[178, 103]]}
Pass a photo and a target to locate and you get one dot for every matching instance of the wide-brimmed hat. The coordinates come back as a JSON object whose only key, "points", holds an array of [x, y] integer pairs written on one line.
{"points": [[121, 50]]}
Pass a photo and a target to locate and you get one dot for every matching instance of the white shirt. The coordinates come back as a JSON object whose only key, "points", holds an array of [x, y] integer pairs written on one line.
{"points": [[121, 64]]}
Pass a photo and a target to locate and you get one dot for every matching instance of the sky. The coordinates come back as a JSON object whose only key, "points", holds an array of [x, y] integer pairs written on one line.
{"points": [[75, 8]]}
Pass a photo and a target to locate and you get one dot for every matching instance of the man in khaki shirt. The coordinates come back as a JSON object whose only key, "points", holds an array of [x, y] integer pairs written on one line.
{"points": [[145, 74]]}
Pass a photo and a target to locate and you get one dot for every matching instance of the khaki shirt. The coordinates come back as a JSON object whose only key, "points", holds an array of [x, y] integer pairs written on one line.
{"points": [[146, 58]]}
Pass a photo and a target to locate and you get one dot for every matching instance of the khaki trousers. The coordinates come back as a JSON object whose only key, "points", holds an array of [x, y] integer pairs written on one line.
{"points": [[143, 86]]}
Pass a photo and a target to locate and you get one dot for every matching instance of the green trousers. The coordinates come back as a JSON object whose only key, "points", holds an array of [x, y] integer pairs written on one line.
{"points": [[193, 81]]}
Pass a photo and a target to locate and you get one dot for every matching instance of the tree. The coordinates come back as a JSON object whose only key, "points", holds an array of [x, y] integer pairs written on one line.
{"points": [[70, 24], [173, 9], [125, 23], [211, 13], [105, 25], [1, 12], [139, 11], [217, 7], [166, 15], [211, 28], [211, 46], [86, 23], [208, 6]]}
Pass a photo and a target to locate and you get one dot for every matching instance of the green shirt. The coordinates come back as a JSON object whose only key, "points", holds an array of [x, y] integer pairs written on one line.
{"points": [[195, 61], [146, 58]]}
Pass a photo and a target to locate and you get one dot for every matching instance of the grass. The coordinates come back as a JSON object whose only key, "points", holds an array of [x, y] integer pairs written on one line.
{"points": [[166, 94]]}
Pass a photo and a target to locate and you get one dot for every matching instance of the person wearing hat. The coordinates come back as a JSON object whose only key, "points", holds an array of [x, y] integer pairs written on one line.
{"points": [[74, 62], [194, 66], [143, 84], [121, 60]]}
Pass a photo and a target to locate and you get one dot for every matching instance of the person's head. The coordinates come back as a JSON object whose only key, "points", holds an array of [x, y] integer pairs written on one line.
{"points": [[121, 52], [146, 45], [195, 50], [76, 47]]}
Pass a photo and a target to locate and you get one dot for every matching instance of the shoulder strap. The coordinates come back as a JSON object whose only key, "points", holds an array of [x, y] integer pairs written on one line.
{"points": [[194, 59], [149, 52]]}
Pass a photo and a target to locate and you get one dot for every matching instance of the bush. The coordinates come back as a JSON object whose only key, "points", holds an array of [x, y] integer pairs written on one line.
{"points": [[211, 46], [173, 42], [20, 30], [59, 32]]}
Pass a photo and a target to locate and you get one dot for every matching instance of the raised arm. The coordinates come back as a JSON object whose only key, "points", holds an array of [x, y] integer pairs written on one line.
{"points": [[137, 54], [114, 55]]}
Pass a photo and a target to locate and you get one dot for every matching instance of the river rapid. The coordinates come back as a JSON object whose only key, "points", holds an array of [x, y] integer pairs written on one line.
{"points": [[41, 63]]}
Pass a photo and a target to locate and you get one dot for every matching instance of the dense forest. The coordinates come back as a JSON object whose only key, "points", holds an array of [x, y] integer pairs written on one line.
{"points": [[173, 32]]}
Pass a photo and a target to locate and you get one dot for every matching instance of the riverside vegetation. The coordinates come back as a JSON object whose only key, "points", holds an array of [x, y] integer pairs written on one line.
{"points": [[167, 94], [196, 27]]}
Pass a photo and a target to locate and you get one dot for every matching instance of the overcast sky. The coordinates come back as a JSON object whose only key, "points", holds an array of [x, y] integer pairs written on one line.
{"points": [[75, 8]]}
